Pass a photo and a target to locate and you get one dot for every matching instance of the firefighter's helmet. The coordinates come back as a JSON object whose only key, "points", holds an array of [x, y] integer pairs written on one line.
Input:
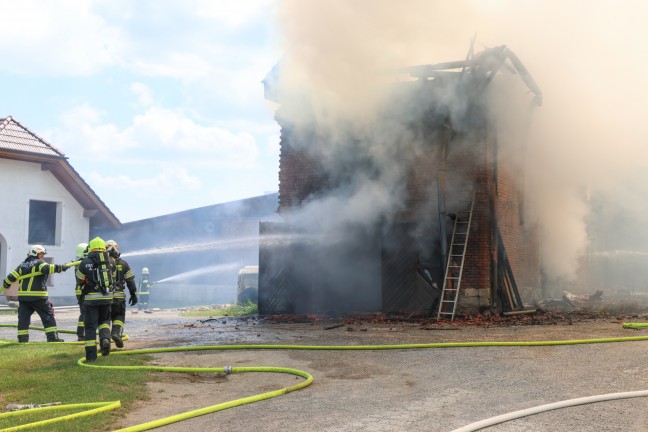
{"points": [[97, 244], [34, 250], [145, 270], [82, 250], [111, 245]]}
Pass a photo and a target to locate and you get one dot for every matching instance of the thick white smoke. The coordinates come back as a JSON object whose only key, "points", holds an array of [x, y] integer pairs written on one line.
{"points": [[588, 136]]}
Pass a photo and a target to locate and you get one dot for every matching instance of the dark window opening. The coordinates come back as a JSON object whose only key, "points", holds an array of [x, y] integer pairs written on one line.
{"points": [[42, 222]]}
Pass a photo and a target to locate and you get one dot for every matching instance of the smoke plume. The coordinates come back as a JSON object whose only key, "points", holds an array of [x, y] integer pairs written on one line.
{"points": [[588, 138]]}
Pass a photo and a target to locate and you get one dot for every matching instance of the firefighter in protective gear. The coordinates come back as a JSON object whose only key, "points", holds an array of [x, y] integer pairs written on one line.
{"points": [[123, 276], [144, 290], [97, 268], [81, 252], [33, 273]]}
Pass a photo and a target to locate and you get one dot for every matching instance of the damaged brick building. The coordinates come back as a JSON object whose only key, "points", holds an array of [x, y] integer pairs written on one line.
{"points": [[453, 237]]}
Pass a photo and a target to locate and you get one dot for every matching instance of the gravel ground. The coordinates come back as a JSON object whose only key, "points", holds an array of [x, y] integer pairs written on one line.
{"points": [[395, 390]]}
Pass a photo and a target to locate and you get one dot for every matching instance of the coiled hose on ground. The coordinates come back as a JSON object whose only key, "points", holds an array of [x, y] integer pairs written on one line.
{"points": [[95, 408]]}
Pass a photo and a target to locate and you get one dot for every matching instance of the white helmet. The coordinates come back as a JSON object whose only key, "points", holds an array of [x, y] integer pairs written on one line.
{"points": [[34, 250], [111, 245], [145, 270], [82, 250]]}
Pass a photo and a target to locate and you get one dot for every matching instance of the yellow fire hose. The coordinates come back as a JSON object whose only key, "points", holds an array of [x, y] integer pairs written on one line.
{"points": [[105, 406]]}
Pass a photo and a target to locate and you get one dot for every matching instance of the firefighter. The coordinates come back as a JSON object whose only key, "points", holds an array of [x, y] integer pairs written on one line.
{"points": [[81, 252], [97, 268], [33, 273], [144, 290], [123, 276]]}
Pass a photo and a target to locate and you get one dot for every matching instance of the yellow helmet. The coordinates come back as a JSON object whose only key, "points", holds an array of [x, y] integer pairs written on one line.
{"points": [[97, 244]]}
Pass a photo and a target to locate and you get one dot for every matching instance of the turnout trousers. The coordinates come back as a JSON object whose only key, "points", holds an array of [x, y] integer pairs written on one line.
{"points": [[97, 317], [43, 308], [81, 323], [118, 316]]}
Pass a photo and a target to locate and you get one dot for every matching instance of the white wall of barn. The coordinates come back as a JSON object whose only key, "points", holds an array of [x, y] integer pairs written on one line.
{"points": [[21, 182]]}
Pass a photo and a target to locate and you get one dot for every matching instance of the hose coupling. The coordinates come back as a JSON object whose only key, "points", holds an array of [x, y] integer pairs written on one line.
{"points": [[227, 370]]}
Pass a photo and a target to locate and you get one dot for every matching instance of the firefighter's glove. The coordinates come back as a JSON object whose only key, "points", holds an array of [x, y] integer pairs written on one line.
{"points": [[132, 300], [58, 268]]}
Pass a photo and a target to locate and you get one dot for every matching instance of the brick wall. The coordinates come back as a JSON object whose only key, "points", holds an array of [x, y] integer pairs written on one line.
{"points": [[469, 161]]}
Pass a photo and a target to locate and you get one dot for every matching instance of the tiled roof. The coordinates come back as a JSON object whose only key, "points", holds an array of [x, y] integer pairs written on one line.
{"points": [[14, 136]]}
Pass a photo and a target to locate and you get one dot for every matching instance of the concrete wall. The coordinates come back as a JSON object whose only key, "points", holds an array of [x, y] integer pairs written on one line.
{"points": [[25, 181]]}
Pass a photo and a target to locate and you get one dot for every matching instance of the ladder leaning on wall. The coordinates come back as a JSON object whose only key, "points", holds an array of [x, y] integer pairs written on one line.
{"points": [[456, 259]]}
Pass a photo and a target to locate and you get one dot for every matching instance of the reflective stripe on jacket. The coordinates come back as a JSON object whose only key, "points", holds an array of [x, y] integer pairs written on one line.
{"points": [[86, 270], [124, 276], [33, 274]]}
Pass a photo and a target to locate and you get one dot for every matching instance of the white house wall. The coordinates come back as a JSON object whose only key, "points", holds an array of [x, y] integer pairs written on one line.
{"points": [[21, 182]]}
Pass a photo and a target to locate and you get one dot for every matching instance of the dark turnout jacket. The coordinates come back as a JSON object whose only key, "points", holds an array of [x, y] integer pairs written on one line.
{"points": [[123, 276], [89, 274], [33, 274]]}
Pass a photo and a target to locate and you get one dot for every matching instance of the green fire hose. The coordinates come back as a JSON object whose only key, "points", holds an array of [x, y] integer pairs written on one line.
{"points": [[308, 379]]}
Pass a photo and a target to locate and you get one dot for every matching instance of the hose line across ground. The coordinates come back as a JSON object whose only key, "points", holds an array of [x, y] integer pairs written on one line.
{"points": [[308, 379], [210, 409]]}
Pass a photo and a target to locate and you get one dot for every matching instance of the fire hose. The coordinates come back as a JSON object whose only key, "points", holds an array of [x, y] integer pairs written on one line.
{"points": [[308, 379]]}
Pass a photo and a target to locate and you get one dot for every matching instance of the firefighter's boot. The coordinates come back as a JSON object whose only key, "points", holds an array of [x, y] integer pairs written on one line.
{"points": [[54, 337], [91, 350], [116, 336], [23, 338], [105, 346]]}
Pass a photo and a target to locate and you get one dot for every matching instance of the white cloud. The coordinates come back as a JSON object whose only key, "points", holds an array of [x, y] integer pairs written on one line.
{"points": [[171, 130], [131, 199], [144, 93], [82, 134], [186, 66], [79, 37], [159, 134], [56, 38], [170, 182]]}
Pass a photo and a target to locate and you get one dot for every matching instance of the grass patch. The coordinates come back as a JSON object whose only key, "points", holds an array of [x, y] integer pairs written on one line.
{"points": [[46, 373], [246, 308]]}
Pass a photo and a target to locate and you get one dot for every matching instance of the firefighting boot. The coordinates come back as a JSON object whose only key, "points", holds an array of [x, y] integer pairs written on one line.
{"points": [[105, 346], [23, 338], [90, 351], [54, 337], [116, 336]]}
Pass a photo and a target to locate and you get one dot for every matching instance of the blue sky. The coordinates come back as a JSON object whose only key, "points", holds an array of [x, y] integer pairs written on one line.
{"points": [[157, 104]]}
